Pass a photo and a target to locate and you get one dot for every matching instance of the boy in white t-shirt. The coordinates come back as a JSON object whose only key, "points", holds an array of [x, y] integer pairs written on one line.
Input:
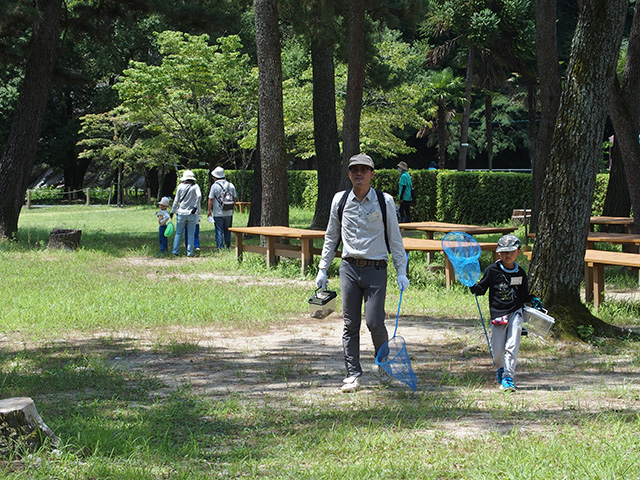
{"points": [[163, 219]]}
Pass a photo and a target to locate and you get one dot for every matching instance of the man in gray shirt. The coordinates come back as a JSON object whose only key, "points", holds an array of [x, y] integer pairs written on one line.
{"points": [[357, 220]]}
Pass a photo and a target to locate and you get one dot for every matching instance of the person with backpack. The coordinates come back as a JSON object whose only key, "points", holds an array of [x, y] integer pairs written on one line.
{"points": [[405, 189], [222, 199], [364, 220]]}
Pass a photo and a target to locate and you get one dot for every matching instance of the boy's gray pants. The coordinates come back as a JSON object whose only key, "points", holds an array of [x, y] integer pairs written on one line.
{"points": [[358, 284], [505, 343]]}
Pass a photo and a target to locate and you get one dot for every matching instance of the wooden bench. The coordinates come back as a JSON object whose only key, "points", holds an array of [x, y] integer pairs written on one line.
{"points": [[595, 260], [431, 246], [242, 206], [275, 248], [594, 263], [520, 216]]}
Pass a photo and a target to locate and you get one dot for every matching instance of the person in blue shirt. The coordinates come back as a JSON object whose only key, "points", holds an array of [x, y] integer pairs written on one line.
{"points": [[405, 189]]}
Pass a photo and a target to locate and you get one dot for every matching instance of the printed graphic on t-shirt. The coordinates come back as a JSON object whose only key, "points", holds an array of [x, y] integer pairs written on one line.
{"points": [[505, 292]]}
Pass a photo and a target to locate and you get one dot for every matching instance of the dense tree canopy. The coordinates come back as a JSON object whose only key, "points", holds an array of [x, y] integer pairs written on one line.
{"points": [[136, 85]]}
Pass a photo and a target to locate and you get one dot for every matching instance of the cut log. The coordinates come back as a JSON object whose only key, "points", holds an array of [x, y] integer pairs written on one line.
{"points": [[21, 426], [64, 238]]}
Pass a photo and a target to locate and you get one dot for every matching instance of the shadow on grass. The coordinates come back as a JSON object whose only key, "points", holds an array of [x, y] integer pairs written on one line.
{"points": [[110, 398]]}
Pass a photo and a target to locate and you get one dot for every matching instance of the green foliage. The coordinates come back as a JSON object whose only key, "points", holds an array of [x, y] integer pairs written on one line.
{"points": [[310, 194], [600, 193], [425, 206], [200, 101], [510, 127], [460, 194], [390, 105], [97, 196], [299, 180], [441, 195]]}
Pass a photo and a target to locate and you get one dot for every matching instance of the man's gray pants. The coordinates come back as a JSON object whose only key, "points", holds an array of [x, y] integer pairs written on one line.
{"points": [[358, 284]]}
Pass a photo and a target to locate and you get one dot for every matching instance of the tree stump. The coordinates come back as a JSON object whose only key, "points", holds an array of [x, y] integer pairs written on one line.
{"points": [[64, 238], [21, 426]]}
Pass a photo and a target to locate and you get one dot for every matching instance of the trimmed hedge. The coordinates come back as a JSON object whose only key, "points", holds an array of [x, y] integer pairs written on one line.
{"points": [[481, 197], [443, 195]]}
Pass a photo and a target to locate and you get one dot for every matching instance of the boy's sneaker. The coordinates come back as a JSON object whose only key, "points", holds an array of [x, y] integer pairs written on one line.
{"points": [[499, 375], [383, 376], [507, 385], [350, 384]]}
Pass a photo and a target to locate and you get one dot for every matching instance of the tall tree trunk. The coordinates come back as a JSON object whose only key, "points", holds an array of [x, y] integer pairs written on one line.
{"points": [[617, 202], [275, 202], [532, 115], [255, 213], [624, 111], [21, 146], [550, 88], [466, 115], [488, 121], [563, 224], [355, 84], [625, 125], [325, 126], [441, 123]]}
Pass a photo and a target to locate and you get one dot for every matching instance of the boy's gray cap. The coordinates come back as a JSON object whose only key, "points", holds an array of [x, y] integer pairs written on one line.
{"points": [[508, 243], [166, 201], [361, 159]]}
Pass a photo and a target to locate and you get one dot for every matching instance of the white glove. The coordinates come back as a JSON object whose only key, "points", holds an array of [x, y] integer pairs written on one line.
{"points": [[210, 219], [321, 279], [403, 282]]}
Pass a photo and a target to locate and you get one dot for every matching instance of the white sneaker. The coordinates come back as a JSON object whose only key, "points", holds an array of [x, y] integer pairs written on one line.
{"points": [[383, 376], [350, 384]]}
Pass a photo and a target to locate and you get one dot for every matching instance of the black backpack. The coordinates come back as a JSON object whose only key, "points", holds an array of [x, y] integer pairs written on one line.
{"points": [[383, 207]]}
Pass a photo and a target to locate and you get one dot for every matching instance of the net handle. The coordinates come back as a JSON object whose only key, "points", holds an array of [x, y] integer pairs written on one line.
{"points": [[400, 303]]}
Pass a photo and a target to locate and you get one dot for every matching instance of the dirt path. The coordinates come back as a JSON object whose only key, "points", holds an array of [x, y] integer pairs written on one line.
{"points": [[302, 363]]}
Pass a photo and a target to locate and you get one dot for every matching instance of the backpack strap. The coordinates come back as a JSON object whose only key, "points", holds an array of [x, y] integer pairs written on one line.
{"points": [[383, 207], [222, 190]]}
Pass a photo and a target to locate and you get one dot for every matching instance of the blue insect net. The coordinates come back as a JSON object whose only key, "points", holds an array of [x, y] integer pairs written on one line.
{"points": [[463, 251], [394, 358]]}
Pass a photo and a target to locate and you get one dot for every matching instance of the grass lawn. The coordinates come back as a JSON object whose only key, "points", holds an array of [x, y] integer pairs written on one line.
{"points": [[176, 368]]}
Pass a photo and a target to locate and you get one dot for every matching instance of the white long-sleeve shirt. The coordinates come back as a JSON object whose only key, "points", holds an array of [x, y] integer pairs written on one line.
{"points": [[362, 231]]}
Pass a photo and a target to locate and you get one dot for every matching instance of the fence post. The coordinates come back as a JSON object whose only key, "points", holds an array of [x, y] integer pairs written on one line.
{"points": [[28, 198], [87, 196]]}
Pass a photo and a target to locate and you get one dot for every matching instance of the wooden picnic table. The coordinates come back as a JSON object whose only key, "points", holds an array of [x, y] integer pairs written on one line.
{"points": [[595, 261], [429, 228], [629, 241], [626, 222], [275, 247], [430, 246], [624, 239]]}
